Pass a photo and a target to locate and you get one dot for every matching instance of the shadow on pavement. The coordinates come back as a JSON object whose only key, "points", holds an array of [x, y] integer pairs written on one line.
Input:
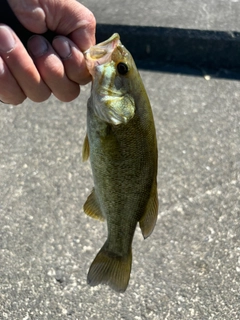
{"points": [[187, 51]]}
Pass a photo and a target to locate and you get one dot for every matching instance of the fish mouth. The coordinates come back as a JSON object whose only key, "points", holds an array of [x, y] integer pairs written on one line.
{"points": [[101, 53]]}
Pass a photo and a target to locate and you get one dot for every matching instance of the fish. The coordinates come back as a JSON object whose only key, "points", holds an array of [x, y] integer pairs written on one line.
{"points": [[122, 146]]}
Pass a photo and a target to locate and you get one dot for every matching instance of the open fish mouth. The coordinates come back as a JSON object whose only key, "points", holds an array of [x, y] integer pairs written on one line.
{"points": [[101, 53], [111, 100]]}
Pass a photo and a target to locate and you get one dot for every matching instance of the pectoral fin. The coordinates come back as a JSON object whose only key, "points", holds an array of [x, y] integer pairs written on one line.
{"points": [[148, 220], [91, 207], [85, 149]]}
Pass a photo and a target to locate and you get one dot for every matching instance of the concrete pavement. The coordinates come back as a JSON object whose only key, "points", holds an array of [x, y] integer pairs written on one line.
{"points": [[190, 266]]}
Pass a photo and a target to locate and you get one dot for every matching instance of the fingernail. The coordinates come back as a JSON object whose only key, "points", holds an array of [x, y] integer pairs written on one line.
{"points": [[7, 41], [37, 46], [62, 47]]}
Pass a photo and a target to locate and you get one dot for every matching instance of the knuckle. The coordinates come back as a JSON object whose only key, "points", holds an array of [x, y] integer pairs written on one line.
{"points": [[91, 21], [41, 98], [18, 100], [85, 80], [68, 96], [14, 97]]}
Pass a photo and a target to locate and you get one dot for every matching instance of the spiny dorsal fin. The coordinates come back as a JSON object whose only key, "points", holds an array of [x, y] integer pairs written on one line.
{"points": [[148, 220], [91, 207], [111, 269], [85, 149]]}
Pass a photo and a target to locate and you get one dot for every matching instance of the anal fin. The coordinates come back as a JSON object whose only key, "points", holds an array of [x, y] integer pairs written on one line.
{"points": [[148, 220], [91, 207]]}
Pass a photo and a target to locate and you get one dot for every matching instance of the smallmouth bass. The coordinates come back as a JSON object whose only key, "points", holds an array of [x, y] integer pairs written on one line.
{"points": [[122, 146]]}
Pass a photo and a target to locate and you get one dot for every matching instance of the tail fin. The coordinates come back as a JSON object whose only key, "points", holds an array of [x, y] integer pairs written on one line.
{"points": [[111, 269]]}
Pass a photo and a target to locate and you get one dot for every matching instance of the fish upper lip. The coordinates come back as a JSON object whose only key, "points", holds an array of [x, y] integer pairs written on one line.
{"points": [[101, 52]]}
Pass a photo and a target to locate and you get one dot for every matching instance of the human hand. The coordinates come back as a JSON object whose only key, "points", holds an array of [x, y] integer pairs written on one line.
{"points": [[56, 68]]}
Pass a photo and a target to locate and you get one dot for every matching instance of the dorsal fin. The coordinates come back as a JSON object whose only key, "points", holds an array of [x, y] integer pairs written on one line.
{"points": [[91, 207], [148, 220]]}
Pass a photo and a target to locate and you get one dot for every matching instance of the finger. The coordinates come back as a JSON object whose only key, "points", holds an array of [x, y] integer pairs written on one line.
{"points": [[73, 60], [30, 14], [84, 32], [51, 69], [69, 18], [21, 66], [10, 92]]}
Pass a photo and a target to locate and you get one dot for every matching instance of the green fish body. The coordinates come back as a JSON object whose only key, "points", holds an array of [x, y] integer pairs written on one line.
{"points": [[122, 146]]}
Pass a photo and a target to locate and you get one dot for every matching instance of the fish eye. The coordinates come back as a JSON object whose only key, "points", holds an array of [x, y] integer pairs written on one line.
{"points": [[122, 68]]}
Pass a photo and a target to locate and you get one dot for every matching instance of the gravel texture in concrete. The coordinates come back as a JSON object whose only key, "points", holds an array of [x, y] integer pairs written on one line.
{"points": [[190, 266]]}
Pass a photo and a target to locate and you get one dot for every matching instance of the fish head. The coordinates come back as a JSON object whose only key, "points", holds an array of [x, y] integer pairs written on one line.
{"points": [[113, 70]]}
